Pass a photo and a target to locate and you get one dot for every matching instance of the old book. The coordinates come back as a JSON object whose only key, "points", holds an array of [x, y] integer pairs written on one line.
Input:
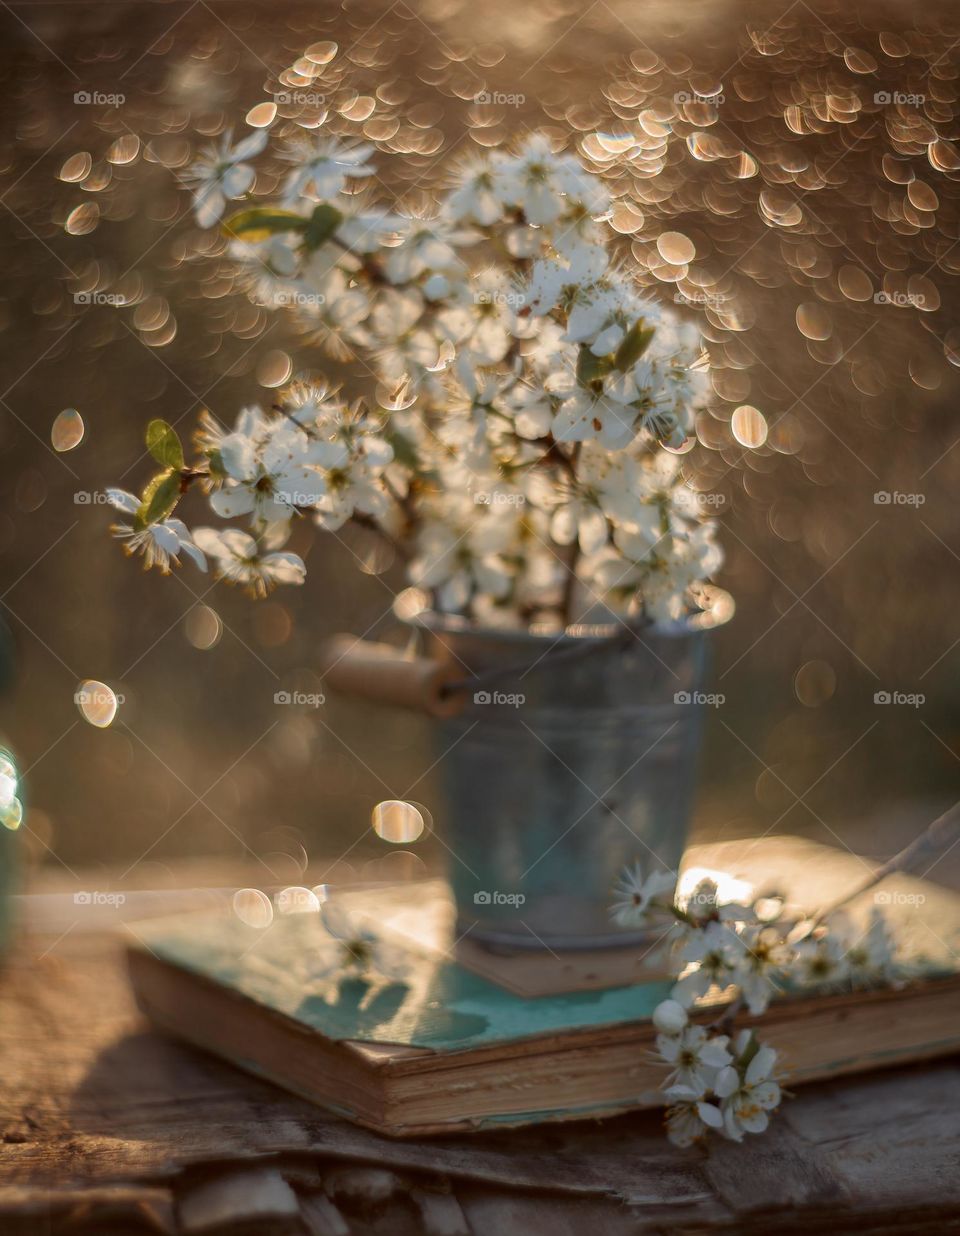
{"points": [[449, 1048]]}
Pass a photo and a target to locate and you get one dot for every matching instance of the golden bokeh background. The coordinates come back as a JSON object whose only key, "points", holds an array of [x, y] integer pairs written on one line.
{"points": [[788, 176]]}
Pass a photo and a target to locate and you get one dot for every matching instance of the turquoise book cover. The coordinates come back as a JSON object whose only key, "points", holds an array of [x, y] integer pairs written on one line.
{"points": [[292, 967]]}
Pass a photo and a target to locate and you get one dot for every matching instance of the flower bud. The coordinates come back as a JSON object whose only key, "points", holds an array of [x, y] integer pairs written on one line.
{"points": [[669, 1017]]}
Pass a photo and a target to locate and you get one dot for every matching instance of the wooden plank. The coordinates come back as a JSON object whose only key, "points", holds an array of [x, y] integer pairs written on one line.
{"points": [[440, 1213], [893, 1140], [773, 1171], [143, 1207], [321, 1217], [364, 1187], [519, 1215], [237, 1199]]}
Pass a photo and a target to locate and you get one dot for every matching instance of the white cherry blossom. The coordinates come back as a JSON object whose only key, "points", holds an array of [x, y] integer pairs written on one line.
{"points": [[360, 950], [714, 951], [272, 477], [748, 1093], [239, 560], [222, 173], [161, 543], [761, 967], [689, 1116], [474, 196], [322, 169], [635, 893], [511, 355], [695, 1058], [545, 185]]}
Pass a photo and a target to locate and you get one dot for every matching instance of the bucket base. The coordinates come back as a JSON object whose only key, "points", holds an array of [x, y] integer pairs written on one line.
{"points": [[524, 940], [553, 966]]}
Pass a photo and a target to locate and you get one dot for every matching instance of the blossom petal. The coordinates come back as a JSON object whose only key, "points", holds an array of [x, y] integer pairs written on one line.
{"points": [[208, 204], [761, 1066], [238, 453], [123, 501], [710, 1115], [236, 182], [250, 145], [285, 568], [727, 1082], [233, 500]]}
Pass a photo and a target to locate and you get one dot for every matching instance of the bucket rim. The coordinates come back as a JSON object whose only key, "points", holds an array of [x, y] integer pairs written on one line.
{"points": [[437, 622]]}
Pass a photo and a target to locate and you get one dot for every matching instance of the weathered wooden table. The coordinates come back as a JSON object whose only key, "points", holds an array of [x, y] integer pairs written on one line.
{"points": [[107, 1127]]}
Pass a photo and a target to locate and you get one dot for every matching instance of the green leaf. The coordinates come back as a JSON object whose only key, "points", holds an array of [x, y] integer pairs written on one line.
{"points": [[164, 445], [262, 222], [215, 460], [748, 1053], [591, 368], [159, 498], [404, 451], [635, 343], [322, 224]]}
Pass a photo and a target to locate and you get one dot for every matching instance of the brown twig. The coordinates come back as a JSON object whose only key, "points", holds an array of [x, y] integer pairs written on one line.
{"points": [[570, 581], [937, 838]]}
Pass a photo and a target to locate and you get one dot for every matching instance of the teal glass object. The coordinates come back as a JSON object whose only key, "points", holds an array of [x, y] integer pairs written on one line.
{"points": [[11, 805], [11, 819]]}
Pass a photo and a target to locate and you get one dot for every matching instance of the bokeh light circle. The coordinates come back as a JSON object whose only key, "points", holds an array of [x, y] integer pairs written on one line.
{"points": [[398, 822], [97, 702]]}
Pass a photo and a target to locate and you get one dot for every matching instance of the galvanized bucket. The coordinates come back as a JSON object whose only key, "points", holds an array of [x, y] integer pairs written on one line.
{"points": [[564, 770]]}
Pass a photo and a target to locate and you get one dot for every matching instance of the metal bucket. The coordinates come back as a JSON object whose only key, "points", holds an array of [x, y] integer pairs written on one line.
{"points": [[560, 773]]}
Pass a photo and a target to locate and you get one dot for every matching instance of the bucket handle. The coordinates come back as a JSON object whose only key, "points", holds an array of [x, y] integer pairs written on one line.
{"points": [[389, 675]]}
